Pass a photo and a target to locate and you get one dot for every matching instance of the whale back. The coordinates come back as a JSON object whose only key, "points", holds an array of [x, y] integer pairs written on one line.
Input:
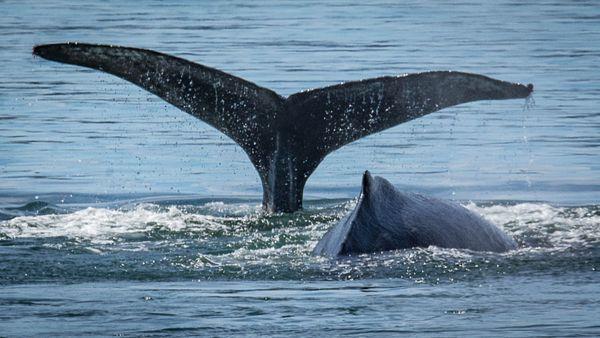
{"points": [[387, 219]]}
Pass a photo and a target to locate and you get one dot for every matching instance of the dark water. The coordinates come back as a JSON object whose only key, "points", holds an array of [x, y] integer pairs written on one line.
{"points": [[120, 215]]}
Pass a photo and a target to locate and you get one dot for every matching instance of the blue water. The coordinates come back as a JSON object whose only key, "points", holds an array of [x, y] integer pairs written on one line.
{"points": [[120, 215]]}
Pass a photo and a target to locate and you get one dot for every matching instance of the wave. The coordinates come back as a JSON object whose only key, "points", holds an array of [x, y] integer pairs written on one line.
{"points": [[218, 240]]}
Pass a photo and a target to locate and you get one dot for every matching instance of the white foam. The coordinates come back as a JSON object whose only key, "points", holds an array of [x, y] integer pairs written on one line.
{"points": [[560, 226], [99, 224], [232, 209]]}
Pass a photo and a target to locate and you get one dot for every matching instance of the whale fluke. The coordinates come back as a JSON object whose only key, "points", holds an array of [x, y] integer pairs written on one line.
{"points": [[238, 108], [346, 112], [285, 138], [387, 219]]}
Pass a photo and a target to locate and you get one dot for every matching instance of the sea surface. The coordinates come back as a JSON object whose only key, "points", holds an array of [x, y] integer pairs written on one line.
{"points": [[121, 215]]}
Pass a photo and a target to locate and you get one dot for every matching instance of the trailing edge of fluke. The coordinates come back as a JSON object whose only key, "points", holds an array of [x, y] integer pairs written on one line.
{"points": [[285, 138]]}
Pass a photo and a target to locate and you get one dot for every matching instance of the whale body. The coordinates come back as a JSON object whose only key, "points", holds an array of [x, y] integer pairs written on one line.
{"points": [[387, 219], [285, 138]]}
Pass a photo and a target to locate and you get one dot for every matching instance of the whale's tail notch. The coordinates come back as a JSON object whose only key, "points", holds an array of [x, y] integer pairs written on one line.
{"points": [[285, 139]]}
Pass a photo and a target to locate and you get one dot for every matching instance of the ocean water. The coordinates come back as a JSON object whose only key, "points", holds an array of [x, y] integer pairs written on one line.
{"points": [[120, 215]]}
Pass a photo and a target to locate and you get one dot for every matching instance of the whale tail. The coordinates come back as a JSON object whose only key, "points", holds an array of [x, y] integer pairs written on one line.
{"points": [[285, 138]]}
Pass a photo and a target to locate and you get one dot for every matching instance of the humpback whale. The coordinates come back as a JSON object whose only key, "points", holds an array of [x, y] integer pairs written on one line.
{"points": [[285, 138], [387, 219]]}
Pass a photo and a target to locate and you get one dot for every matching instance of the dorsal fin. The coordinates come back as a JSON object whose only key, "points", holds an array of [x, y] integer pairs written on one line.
{"points": [[238, 108], [346, 112], [367, 183]]}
